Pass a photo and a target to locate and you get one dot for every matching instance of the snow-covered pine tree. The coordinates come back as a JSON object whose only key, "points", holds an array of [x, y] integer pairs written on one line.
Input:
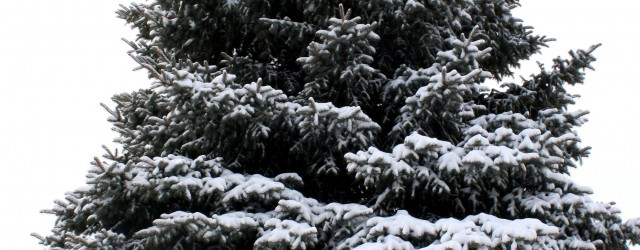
{"points": [[325, 124]]}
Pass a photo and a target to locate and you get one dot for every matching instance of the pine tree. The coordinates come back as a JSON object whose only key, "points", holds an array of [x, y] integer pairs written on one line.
{"points": [[328, 124]]}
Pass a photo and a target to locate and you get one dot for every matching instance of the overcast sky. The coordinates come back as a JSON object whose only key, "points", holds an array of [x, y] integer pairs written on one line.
{"points": [[60, 59]]}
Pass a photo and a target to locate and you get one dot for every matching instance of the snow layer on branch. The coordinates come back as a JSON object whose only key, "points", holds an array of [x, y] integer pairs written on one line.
{"points": [[631, 230], [443, 91], [246, 207], [402, 231], [287, 234], [497, 150], [199, 227], [326, 128], [388, 242], [193, 108], [338, 66]]}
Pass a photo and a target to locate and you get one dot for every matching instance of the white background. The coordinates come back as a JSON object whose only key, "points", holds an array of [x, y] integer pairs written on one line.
{"points": [[60, 59]]}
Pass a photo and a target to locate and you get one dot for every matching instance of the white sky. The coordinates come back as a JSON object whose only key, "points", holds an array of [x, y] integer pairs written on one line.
{"points": [[60, 59]]}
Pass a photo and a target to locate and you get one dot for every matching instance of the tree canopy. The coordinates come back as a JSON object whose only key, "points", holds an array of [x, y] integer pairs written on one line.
{"points": [[326, 124]]}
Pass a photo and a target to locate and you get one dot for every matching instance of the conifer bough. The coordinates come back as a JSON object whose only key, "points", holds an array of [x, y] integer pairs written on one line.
{"points": [[322, 124]]}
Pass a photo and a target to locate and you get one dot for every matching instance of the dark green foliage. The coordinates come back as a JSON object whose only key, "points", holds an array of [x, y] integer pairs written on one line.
{"points": [[323, 124]]}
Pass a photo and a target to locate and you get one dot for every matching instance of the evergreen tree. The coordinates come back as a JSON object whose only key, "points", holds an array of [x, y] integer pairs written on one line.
{"points": [[326, 124]]}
